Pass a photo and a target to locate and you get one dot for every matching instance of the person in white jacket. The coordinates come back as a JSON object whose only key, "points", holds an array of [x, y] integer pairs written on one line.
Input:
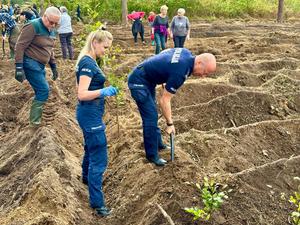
{"points": [[65, 33]]}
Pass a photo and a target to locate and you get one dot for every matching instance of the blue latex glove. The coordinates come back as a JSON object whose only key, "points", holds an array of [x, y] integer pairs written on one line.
{"points": [[19, 74], [108, 91], [54, 71]]}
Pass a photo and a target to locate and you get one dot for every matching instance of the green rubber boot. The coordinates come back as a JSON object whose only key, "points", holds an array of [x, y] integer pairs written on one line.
{"points": [[36, 111]]}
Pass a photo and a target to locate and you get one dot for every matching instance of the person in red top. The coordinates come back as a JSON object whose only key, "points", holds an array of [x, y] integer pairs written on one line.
{"points": [[151, 18], [137, 25]]}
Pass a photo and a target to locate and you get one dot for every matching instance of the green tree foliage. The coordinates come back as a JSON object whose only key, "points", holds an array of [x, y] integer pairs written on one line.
{"points": [[295, 200], [12, 2], [111, 9]]}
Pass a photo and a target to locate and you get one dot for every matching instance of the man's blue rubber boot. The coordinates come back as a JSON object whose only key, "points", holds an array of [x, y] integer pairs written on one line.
{"points": [[103, 211], [164, 147], [158, 161]]}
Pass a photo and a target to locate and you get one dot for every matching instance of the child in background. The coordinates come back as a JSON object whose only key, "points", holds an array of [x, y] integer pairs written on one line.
{"points": [[151, 18]]}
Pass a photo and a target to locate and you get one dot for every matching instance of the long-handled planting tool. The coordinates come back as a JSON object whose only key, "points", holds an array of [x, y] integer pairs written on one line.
{"points": [[172, 142]]}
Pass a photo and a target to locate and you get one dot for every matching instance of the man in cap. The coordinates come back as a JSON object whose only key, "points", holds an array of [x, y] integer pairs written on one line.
{"points": [[171, 67], [34, 50]]}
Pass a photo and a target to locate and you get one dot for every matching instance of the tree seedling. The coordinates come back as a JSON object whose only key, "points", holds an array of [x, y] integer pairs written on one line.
{"points": [[295, 200], [212, 199]]}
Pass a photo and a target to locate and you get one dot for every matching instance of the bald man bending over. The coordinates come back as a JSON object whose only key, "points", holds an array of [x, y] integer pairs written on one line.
{"points": [[171, 67]]}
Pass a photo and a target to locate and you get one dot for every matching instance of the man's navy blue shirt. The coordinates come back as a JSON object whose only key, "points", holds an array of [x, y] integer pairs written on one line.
{"points": [[88, 67], [171, 66]]}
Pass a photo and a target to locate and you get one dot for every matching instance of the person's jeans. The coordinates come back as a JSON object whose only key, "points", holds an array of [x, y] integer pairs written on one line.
{"points": [[94, 164], [179, 41], [160, 41], [66, 43], [36, 76]]}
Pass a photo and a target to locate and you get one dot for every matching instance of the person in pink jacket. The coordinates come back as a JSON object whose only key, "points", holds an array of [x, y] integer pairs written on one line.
{"points": [[137, 25]]}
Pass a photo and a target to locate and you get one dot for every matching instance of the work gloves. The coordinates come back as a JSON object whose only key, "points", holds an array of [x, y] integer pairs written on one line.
{"points": [[108, 91], [20, 74], [152, 37], [54, 71]]}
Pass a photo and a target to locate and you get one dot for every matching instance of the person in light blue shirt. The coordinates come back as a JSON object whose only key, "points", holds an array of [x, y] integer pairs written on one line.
{"points": [[65, 33]]}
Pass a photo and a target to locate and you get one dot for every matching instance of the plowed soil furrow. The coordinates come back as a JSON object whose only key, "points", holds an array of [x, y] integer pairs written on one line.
{"points": [[240, 127]]}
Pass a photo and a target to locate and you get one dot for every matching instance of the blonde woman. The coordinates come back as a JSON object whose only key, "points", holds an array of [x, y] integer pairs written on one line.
{"points": [[90, 109], [160, 29], [180, 29]]}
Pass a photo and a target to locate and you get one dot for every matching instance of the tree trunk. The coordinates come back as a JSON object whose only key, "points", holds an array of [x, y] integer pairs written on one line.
{"points": [[42, 7], [280, 11], [124, 12]]}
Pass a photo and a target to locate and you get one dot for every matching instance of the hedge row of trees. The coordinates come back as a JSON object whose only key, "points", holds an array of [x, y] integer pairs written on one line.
{"points": [[112, 9]]}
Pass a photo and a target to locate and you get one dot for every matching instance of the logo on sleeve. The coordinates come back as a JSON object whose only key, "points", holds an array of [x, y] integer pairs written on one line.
{"points": [[86, 70], [173, 89], [176, 55]]}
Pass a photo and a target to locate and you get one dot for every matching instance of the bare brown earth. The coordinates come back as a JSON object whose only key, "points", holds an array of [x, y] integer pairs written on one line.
{"points": [[240, 127]]}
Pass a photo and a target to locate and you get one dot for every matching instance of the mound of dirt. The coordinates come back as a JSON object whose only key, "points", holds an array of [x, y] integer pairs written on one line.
{"points": [[240, 128]]}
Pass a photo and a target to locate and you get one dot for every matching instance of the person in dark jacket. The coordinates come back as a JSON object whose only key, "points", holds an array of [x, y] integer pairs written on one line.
{"points": [[78, 13], [26, 16], [35, 10]]}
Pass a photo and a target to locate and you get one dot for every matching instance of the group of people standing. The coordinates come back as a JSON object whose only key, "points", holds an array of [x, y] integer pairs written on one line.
{"points": [[34, 50], [10, 23], [178, 30]]}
